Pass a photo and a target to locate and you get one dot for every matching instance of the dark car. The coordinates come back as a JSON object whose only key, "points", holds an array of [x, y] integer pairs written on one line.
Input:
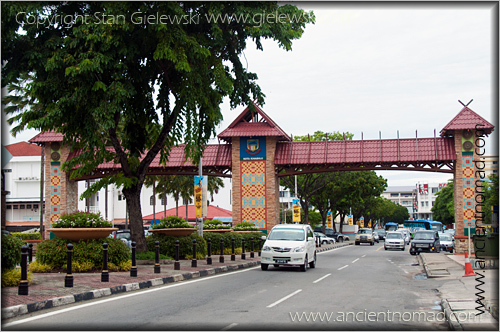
{"points": [[339, 237], [425, 241], [381, 233]]}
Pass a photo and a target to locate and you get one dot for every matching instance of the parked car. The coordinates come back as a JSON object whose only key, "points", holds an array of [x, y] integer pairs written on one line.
{"points": [[425, 241], [289, 245], [339, 237], [406, 235], [450, 231], [376, 237], [381, 233], [323, 239], [364, 235], [124, 235], [446, 241], [394, 240]]}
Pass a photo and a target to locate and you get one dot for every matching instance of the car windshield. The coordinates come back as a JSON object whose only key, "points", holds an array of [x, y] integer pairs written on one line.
{"points": [[123, 236], [445, 237], [364, 231], [423, 236], [287, 234], [394, 236]]}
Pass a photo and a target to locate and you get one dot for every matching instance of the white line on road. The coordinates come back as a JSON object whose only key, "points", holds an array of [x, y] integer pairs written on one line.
{"points": [[285, 298], [155, 289], [323, 277], [363, 256], [327, 251], [354, 261], [230, 326], [343, 267]]}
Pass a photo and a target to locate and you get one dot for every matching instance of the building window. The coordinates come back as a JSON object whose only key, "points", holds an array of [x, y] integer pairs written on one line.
{"points": [[434, 190], [495, 162], [152, 200], [28, 206], [15, 207], [422, 204], [35, 206], [163, 201], [9, 207], [394, 194], [7, 170], [22, 206]]}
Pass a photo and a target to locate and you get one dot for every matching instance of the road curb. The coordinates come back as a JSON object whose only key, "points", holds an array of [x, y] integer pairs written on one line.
{"points": [[334, 247], [23, 309], [450, 316]]}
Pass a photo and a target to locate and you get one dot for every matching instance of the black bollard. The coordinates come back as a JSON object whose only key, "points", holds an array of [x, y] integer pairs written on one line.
{"points": [[68, 280], [251, 248], [233, 257], [209, 249], [30, 252], [23, 284], [194, 262], [133, 269], [157, 257], [177, 264], [105, 272], [243, 255], [221, 257], [260, 246]]}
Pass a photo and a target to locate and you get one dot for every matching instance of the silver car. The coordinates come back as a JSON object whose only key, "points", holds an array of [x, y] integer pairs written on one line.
{"points": [[323, 239], [394, 240]]}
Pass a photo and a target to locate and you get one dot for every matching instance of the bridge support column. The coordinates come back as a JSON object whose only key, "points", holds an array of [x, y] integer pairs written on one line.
{"points": [[61, 194]]}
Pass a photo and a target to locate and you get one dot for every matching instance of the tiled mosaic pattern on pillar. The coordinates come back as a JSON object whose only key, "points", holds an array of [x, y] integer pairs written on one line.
{"points": [[253, 192], [468, 189]]}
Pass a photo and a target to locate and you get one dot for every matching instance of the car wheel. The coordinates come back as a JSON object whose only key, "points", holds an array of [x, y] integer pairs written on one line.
{"points": [[312, 265], [303, 267], [356, 243], [276, 265], [372, 243], [412, 253], [403, 248], [385, 247], [264, 267]]}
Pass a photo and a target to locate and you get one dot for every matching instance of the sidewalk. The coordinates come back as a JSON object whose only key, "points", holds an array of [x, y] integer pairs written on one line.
{"points": [[463, 303], [48, 290]]}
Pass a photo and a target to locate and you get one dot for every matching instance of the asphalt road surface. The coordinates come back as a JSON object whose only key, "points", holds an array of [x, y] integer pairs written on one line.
{"points": [[352, 288]]}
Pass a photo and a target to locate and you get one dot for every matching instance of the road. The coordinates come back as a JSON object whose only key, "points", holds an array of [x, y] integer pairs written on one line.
{"points": [[352, 288]]}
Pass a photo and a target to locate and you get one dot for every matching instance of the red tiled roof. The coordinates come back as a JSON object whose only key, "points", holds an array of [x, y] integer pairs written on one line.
{"points": [[23, 149], [243, 126], [365, 151], [467, 119], [212, 212], [47, 136]]}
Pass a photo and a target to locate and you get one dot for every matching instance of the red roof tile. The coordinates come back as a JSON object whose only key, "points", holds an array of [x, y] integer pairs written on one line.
{"points": [[243, 125], [47, 136], [23, 149], [212, 212], [467, 119], [366, 151]]}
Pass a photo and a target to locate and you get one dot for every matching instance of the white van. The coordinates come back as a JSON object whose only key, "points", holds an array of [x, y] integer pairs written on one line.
{"points": [[289, 244]]}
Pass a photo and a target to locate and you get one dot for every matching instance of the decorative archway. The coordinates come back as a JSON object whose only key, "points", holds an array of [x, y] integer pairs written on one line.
{"points": [[257, 152]]}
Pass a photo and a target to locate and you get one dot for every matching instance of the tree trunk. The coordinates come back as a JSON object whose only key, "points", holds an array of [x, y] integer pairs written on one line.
{"points": [[133, 199]]}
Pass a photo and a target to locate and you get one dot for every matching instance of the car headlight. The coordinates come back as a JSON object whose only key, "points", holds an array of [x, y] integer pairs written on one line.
{"points": [[266, 248], [299, 249]]}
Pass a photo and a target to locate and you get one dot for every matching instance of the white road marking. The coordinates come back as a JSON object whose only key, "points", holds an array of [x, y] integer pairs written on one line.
{"points": [[354, 261], [323, 277], [363, 256], [155, 289], [229, 326], [343, 267], [285, 298], [327, 251]]}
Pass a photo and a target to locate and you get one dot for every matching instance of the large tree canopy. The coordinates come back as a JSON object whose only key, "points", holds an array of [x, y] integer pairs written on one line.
{"points": [[124, 81]]}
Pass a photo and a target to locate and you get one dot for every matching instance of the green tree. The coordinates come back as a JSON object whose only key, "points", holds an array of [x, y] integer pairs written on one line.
{"points": [[444, 206], [123, 89]]}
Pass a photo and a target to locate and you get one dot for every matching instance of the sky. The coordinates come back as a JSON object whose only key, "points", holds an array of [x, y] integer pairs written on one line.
{"points": [[370, 68]]}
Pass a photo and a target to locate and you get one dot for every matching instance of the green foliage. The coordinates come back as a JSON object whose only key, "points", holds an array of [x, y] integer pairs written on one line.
{"points": [[38, 267], [227, 238], [27, 236], [80, 219], [444, 206], [54, 252], [172, 222], [215, 224], [245, 226], [149, 255], [12, 277], [11, 251], [167, 244], [75, 79]]}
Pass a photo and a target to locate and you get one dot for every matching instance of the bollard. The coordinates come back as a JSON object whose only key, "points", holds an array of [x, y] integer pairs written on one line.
{"points": [[194, 262], [105, 273], [68, 280], [177, 264], [209, 249], [23, 284], [243, 255], [316, 241], [251, 248], [260, 246], [233, 257], [133, 269], [157, 257], [30, 252], [221, 257]]}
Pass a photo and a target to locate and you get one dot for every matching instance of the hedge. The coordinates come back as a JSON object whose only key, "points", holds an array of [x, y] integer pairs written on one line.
{"points": [[11, 251], [27, 236]]}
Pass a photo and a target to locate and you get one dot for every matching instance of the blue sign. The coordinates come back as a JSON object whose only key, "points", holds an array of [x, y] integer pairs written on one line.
{"points": [[253, 148]]}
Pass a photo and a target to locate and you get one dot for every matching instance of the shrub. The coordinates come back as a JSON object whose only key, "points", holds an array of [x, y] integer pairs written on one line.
{"points": [[149, 255], [12, 277], [215, 224], [53, 252], [27, 236], [167, 244], [172, 222], [245, 226], [80, 219], [11, 251], [38, 267]]}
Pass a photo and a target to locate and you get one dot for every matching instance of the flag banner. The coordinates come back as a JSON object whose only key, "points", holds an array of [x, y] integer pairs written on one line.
{"points": [[296, 210]]}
